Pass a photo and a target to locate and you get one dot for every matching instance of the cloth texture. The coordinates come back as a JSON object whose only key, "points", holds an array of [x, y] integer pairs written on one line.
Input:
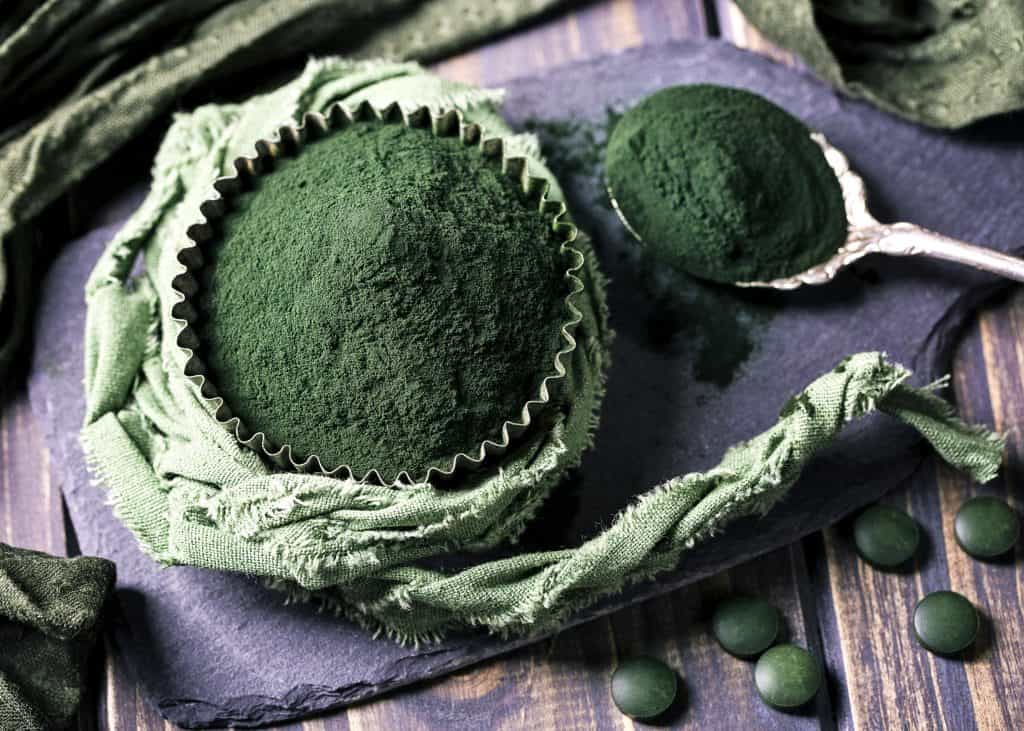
{"points": [[50, 609], [193, 496], [79, 79], [944, 63]]}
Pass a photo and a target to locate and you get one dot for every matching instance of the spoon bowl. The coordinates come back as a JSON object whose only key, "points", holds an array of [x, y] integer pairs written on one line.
{"points": [[866, 235]]}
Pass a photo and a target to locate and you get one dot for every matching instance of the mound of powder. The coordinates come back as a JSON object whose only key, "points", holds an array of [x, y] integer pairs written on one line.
{"points": [[723, 184], [384, 300]]}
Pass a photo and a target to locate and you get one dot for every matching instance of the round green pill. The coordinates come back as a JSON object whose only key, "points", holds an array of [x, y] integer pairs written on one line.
{"points": [[986, 527], [745, 626], [946, 622], [643, 687], [787, 676], [885, 536]]}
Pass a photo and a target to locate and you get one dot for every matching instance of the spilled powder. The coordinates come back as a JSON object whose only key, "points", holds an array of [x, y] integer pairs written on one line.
{"points": [[717, 327], [384, 300]]}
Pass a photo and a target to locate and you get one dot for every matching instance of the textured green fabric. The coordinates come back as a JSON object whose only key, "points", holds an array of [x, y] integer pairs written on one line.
{"points": [[79, 79], [944, 63], [49, 611], [193, 496]]}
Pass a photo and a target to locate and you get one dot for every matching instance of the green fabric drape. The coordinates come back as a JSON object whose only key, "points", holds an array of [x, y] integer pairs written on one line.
{"points": [[81, 78], [193, 496], [944, 63], [49, 611]]}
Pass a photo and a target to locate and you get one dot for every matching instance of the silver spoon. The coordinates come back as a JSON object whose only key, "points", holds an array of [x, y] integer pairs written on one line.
{"points": [[865, 235]]}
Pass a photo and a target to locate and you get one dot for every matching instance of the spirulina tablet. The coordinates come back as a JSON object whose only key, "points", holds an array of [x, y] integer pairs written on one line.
{"points": [[946, 622], [986, 527], [787, 676], [643, 687], [745, 626], [885, 536]]}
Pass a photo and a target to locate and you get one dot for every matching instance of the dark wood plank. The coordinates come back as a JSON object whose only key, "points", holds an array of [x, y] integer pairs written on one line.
{"points": [[991, 360], [881, 678], [720, 688], [888, 679], [563, 682], [550, 684], [591, 31], [885, 678], [119, 704], [29, 518], [733, 26]]}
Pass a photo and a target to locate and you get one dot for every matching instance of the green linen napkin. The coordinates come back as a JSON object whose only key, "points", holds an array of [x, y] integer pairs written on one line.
{"points": [[49, 611], [192, 495], [79, 79], [944, 63]]}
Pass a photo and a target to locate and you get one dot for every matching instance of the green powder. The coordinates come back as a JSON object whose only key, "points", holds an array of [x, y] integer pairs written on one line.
{"points": [[385, 300], [725, 185]]}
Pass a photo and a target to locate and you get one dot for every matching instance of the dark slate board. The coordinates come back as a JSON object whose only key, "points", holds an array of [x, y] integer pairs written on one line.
{"points": [[212, 648]]}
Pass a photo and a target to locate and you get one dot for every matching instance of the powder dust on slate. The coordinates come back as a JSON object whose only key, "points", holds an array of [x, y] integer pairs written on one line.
{"points": [[385, 300], [718, 326], [725, 185]]}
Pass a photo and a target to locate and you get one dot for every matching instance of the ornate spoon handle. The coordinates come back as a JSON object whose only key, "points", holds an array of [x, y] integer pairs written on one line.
{"points": [[906, 239]]}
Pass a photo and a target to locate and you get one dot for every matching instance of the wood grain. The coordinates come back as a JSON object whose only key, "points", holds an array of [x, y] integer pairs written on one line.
{"points": [[887, 679], [734, 27], [592, 31], [855, 618], [995, 587], [28, 518]]}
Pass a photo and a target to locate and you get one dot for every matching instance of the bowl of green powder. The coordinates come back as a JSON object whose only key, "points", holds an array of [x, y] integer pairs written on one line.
{"points": [[724, 185], [382, 295]]}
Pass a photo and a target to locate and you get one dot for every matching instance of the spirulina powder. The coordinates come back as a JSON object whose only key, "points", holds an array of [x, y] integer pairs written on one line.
{"points": [[384, 300], [723, 184]]}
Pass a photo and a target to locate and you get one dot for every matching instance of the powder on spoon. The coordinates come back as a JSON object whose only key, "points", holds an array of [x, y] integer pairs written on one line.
{"points": [[723, 184], [384, 300]]}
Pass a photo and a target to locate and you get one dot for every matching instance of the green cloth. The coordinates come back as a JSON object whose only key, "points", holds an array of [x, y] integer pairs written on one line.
{"points": [[49, 612], [193, 496], [79, 79], [944, 63]]}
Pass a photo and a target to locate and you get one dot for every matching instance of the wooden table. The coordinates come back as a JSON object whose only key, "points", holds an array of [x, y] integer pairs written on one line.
{"points": [[855, 617]]}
